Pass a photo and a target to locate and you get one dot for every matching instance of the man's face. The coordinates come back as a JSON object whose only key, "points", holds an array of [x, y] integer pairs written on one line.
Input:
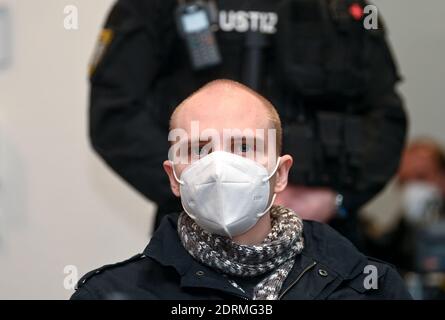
{"points": [[221, 112]]}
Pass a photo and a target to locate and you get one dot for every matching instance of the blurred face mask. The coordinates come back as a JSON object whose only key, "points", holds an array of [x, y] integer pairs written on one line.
{"points": [[421, 202], [224, 193]]}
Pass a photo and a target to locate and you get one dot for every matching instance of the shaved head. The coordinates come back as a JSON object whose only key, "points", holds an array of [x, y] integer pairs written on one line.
{"points": [[227, 104]]}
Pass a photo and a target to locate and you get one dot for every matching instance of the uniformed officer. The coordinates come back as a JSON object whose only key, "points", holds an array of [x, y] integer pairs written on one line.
{"points": [[333, 83]]}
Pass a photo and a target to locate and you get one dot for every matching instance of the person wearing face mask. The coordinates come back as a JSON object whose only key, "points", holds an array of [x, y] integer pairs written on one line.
{"points": [[231, 241], [421, 182]]}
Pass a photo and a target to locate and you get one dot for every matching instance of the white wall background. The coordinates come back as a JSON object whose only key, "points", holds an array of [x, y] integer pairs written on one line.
{"points": [[59, 205]]}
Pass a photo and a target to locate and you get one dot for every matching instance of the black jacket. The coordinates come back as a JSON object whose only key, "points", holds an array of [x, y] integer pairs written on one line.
{"points": [[329, 267], [144, 72]]}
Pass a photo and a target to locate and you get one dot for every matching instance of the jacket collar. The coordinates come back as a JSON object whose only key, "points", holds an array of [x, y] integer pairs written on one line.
{"points": [[324, 249], [166, 248], [331, 249]]}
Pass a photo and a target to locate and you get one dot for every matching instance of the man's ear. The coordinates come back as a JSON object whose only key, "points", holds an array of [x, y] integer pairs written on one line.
{"points": [[282, 173], [174, 185]]}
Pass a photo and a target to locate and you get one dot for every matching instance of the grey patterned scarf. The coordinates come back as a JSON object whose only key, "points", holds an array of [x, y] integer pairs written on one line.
{"points": [[276, 252]]}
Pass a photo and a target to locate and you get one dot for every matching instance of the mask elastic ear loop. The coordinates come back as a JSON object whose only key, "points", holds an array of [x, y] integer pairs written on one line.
{"points": [[274, 195], [269, 206], [174, 174], [274, 170]]}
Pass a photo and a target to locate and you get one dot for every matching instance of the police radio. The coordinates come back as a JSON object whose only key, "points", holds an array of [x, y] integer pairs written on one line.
{"points": [[195, 27]]}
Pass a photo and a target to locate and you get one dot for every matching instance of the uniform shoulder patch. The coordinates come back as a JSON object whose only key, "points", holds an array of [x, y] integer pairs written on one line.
{"points": [[97, 271], [105, 38]]}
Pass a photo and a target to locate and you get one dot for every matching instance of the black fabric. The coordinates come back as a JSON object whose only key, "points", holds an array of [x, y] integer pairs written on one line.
{"points": [[330, 267], [396, 246], [145, 73]]}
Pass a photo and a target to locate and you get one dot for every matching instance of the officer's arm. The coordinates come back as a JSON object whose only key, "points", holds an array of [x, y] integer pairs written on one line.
{"points": [[385, 125], [121, 129], [383, 148]]}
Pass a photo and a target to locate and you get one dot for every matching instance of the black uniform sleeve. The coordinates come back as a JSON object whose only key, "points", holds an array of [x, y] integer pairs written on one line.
{"points": [[385, 138], [384, 126], [121, 129]]}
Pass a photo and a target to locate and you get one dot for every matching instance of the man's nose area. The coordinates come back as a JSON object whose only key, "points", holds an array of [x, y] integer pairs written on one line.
{"points": [[216, 171]]}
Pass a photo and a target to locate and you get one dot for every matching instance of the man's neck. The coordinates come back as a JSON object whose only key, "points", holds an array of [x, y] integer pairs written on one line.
{"points": [[257, 233]]}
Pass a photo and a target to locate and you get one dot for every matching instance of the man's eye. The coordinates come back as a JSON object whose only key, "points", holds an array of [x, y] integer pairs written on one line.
{"points": [[243, 148], [200, 151]]}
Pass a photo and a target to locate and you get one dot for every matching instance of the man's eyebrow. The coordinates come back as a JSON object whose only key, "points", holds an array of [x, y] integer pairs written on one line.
{"points": [[189, 141], [257, 137]]}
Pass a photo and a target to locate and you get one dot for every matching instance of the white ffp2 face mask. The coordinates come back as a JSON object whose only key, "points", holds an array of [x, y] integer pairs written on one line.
{"points": [[224, 193], [421, 202]]}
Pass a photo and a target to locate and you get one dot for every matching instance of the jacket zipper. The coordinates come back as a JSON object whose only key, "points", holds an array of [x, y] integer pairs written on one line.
{"points": [[309, 267]]}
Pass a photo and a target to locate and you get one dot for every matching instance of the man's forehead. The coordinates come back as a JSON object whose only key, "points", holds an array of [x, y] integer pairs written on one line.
{"points": [[223, 111]]}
